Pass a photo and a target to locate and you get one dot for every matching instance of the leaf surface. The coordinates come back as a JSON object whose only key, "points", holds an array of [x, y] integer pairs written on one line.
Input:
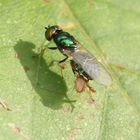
{"points": [[36, 101]]}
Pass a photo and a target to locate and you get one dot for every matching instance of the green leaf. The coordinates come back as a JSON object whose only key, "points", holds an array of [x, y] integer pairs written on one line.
{"points": [[36, 101]]}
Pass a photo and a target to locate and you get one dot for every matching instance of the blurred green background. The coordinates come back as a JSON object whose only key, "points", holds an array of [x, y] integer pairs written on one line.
{"points": [[36, 102]]}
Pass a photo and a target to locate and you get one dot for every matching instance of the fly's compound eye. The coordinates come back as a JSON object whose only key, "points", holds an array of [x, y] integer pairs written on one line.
{"points": [[50, 31]]}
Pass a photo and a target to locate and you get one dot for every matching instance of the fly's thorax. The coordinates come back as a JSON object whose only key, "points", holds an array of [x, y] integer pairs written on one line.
{"points": [[65, 43]]}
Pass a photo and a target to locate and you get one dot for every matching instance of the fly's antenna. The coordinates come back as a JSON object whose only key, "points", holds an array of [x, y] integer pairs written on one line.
{"points": [[47, 27]]}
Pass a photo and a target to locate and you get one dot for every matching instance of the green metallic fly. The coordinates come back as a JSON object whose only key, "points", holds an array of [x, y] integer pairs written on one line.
{"points": [[84, 65]]}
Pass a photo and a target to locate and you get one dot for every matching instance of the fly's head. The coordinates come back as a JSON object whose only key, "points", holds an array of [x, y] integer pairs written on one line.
{"points": [[51, 31]]}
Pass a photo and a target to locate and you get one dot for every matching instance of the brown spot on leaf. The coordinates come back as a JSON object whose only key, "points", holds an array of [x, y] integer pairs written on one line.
{"points": [[120, 67], [47, 1], [17, 130], [90, 101], [72, 134], [66, 109], [4, 105], [14, 127], [81, 116]]}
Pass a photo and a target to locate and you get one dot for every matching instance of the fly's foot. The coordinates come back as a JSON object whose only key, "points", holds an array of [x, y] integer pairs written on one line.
{"points": [[62, 66], [41, 51]]}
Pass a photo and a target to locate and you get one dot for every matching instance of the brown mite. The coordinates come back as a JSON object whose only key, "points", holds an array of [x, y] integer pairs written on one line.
{"points": [[81, 84]]}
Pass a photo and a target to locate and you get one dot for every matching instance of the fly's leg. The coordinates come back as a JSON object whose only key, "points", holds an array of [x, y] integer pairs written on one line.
{"points": [[42, 50], [52, 48], [63, 60], [91, 90], [62, 65], [39, 53]]}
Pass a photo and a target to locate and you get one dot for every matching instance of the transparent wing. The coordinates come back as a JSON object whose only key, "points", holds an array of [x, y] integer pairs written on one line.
{"points": [[92, 67]]}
